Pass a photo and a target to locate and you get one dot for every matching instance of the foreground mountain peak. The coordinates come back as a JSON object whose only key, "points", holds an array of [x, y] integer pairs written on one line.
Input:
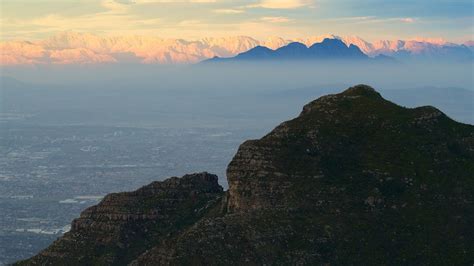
{"points": [[354, 179], [327, 101], [361, 90]]}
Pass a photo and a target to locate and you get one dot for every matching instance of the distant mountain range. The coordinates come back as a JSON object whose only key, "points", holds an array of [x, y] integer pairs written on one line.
{"points": [[337, 49], [328, 49], [85, 48]]}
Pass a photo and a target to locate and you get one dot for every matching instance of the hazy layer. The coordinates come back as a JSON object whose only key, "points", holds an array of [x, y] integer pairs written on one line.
{"points": [[223, 94]]}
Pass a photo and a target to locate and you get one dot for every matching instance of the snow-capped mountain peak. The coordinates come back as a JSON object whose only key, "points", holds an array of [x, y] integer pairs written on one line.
{"points": [[83, 48]]}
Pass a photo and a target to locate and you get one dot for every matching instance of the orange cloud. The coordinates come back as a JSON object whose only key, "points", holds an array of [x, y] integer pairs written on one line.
{"points": [[282, 4], [275, 19]]}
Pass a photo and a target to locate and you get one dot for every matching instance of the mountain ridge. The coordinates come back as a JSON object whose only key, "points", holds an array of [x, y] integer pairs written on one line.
{"points": [[328, 49], [85, 48], [354, 179]]}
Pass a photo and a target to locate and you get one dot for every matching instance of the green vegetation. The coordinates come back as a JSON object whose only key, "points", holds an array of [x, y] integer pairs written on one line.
{"points": [[355, 179]]}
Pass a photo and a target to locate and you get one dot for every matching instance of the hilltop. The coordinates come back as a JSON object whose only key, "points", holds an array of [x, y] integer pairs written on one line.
{"points": [[354, 179]]}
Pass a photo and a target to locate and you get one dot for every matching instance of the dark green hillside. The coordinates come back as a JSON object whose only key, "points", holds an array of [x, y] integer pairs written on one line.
{"points": [[353, 180]]}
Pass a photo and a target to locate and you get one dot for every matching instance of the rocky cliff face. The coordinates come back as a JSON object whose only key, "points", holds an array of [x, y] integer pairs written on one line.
{"points": [[124, 225], [354, 179]]}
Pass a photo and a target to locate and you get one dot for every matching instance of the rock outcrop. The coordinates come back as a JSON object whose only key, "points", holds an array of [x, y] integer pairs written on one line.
{"points": [[124, 225], [354, 179]]}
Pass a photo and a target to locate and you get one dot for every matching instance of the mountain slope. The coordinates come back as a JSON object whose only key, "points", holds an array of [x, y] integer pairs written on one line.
{"points": [[354, 179], [124, 225]]}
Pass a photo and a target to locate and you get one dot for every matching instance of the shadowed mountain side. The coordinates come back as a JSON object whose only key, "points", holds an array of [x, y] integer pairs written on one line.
{"points": [[328, 49], [124, 225], [354, 179]]}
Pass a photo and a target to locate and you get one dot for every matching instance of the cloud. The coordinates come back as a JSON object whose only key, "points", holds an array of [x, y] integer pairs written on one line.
{"points": [[228, 11], [115, 6], [407, 20], [350, 19], [373, 19], [125, 2], [163, 1], [275, 19], [103, 21], [282, 4], [190, 23]]}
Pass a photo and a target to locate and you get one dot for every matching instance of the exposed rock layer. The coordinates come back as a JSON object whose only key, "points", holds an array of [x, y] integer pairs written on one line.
{"points": [[124, 225], [354, 179]]}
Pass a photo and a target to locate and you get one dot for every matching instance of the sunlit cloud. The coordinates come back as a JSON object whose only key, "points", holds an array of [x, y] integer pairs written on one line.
{"points": [[114, 6], [228, 11], [281, 4], [190, 23], [351, 19], [103, 21], [373, 19], [275, 19], [200, 18], [163, 1], [407, 20]]}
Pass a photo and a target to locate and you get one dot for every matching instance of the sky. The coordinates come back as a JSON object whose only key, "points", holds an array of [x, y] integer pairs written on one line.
{"points": [[193, 19]]}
